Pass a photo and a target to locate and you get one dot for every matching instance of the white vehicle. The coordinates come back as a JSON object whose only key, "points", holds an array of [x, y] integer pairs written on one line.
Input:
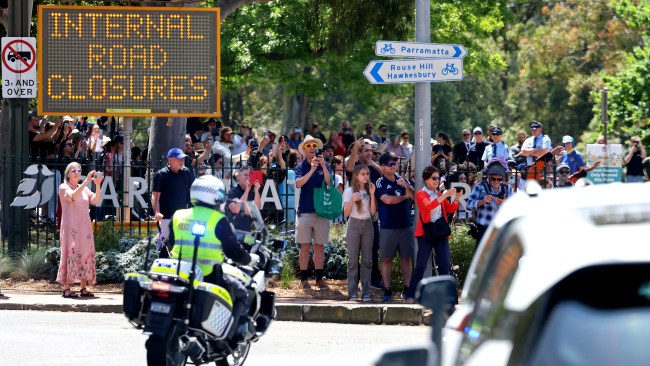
{"points": [[562, 277]]}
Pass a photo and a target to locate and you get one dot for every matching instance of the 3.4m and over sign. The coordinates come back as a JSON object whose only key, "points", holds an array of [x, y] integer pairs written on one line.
{"points": [[128, 61]]}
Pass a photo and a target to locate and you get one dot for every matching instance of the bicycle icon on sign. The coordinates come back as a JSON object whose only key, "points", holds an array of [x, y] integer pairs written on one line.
{"points": [[450, 68], [388, 48]]}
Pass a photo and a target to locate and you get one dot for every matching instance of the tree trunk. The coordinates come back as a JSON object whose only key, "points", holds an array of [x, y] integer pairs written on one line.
{"points": [[166, 133], [295, 109]]}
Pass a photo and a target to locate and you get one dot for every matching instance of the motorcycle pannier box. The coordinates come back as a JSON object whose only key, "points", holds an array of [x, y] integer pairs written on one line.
{"points": [[211, 309], [132, 302]]}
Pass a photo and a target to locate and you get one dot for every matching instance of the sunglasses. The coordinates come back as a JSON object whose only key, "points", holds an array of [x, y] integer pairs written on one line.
{"points": [[75, 171], [466, 134], [564, 172], [496, 179], [391, 164], [496, 134], [434, 178], [478, 133], [310, 145], [376, 153]]}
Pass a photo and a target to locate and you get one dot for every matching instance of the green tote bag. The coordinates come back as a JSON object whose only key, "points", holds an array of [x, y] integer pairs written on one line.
{"points": [[328, 202]]}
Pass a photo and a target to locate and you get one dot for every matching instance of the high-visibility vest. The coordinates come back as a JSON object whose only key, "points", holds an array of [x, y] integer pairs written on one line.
{"points": [[210, 251]]}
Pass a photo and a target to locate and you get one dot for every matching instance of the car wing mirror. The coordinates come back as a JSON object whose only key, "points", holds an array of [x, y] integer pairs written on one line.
{"points": [[420, 356], [440, 295]]}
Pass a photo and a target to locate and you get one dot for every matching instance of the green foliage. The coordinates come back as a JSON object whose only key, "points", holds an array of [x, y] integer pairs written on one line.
{"points": [[112, 265], [107, 236], [31, 265], [335, 252], [6, 265], [462, 247], [288, 273]]}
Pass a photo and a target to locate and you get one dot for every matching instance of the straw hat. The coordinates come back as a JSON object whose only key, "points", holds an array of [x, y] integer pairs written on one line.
{"points": [[309, 138]]}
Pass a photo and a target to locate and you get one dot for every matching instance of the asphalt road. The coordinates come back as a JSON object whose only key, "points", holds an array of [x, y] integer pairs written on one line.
{"points": [[57, 338]]}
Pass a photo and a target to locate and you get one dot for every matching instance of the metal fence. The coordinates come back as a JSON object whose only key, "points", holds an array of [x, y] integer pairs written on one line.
{"points": [[126, 208]]}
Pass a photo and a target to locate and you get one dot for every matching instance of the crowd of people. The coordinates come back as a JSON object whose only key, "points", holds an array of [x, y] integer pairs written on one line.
{"points": [[371, 169]]}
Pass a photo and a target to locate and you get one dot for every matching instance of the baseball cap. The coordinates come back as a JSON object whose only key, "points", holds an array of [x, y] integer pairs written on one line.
{"points": [[535, 124], [386, 158], [67, 118], [567, 138], [176, 153], [477, 129], [563, 165], [496, 169]]}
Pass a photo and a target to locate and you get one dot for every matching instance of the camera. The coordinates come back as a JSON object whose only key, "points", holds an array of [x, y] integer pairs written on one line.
{"points": [[636, 144], [512, 179], [319, 152]]}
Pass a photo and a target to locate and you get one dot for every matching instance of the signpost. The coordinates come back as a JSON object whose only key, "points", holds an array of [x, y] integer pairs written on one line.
{"points": [[429, 62], [419, 50], [129, 61], [18, 71], [414, 71]]}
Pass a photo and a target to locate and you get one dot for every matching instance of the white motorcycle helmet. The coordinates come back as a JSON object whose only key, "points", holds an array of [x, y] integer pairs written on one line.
{"points": [[208, 190]]}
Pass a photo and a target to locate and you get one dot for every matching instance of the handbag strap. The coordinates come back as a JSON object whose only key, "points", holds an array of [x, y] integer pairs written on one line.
{"points": [[442, 207]]}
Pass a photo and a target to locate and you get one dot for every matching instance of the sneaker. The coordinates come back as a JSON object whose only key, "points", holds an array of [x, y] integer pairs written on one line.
{"points": [[377, 285], [354, 298], [305, 284], [409, 300], [366, 298], [322, 285], [388, 295]]}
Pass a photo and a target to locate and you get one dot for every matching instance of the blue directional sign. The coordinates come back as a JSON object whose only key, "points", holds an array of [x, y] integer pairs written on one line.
{"points": [[419, 50], [414, 71]]}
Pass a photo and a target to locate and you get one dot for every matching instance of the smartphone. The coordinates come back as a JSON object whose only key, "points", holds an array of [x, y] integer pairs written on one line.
{"points": [[99, 174], [511, 180], [266, 133], [319, 152], [256, 176]]}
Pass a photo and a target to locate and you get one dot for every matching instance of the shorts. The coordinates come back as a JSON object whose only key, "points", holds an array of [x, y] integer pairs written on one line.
{"points": [[392, 240], [312, 227]]}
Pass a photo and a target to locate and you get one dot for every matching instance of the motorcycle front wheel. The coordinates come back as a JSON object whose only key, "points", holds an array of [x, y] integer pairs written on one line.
{"points": [[238, 356], [165, 351]]}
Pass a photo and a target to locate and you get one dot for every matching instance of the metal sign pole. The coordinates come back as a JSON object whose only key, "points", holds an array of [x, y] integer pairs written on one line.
{"points": [[19, 21], [422, 148], [603, 112]]}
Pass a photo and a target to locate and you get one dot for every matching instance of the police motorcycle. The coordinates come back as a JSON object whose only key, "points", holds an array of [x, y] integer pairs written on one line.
{"points": [[189, 320]]}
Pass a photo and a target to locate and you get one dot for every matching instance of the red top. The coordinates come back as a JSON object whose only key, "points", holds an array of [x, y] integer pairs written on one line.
{"points": [[425, 205]]}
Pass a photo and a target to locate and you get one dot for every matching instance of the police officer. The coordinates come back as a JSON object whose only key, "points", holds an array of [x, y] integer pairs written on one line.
{"points": [[207, 194]]}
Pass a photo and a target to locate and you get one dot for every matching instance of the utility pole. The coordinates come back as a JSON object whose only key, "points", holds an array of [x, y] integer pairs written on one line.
{"points": [[16, 225], [422, 106]]}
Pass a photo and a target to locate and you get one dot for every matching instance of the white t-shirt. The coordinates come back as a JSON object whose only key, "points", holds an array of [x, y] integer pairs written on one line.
{"points": [[365, 204]]}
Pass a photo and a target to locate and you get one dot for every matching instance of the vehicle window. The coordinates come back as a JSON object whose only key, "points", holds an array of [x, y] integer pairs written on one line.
{"points": [[489, 305], [576, 334], [610, 307], [476, 275]]}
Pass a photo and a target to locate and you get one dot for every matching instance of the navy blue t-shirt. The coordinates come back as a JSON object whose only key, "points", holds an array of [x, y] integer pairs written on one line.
{"points": [[306, 204], [397, 216], [174, 190]]}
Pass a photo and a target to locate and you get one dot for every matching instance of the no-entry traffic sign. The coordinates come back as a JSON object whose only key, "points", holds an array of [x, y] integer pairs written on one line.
{"points": [[18, 72]]}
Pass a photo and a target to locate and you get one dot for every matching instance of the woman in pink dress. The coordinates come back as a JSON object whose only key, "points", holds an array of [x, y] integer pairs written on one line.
{"points": [[76, 236]]}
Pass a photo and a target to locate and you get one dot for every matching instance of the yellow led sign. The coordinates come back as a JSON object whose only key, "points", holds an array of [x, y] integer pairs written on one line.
{"points": [[128, 61]]}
